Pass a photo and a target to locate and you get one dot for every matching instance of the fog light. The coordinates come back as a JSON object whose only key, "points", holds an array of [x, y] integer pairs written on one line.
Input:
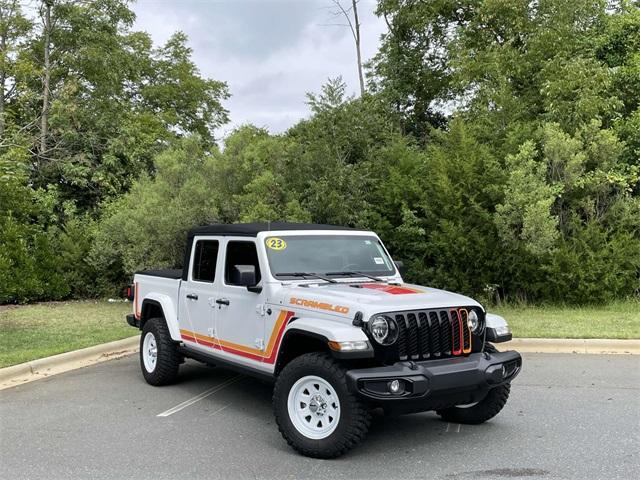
{"points": [[395, 386]]}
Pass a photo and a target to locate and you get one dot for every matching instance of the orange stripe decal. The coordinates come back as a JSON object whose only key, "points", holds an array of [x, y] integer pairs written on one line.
{"points": [[136, 312], [266, 356]]}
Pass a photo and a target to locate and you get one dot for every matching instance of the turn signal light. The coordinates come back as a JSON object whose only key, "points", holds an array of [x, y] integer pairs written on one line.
{"points": [[349, 346]]}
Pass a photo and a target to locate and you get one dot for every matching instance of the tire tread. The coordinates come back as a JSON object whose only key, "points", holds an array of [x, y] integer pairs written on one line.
{"points": [[168, 360], [357, 424], [486, 409]]}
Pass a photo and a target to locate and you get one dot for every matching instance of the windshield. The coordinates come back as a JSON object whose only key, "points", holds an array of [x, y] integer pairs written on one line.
{"points": [[336, 255]]}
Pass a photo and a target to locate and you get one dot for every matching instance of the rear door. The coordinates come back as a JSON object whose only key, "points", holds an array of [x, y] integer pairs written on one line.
{"points": [[197, 295], [239, 318]]}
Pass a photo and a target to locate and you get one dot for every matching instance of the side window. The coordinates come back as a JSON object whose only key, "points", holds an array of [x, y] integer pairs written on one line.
{"points": [[204, 260], [240, 253]]}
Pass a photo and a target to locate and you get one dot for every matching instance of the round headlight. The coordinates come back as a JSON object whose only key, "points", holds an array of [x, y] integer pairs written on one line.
{"points": [[474, 322], [383, 330]]}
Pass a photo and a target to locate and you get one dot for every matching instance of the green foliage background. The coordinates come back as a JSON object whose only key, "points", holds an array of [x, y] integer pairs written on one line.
{"points": [[497, 151]]}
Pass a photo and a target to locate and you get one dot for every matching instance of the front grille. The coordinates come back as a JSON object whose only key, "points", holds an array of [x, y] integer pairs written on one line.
{"points": [[429, 334]]}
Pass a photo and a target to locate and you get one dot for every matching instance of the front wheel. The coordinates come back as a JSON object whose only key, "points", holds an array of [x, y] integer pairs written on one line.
{"points": [[485, 409], [314, 410], [481, 411]]}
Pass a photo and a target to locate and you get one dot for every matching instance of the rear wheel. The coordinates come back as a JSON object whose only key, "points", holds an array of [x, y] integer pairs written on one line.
{"points": [[159, 356], [314, 410]]}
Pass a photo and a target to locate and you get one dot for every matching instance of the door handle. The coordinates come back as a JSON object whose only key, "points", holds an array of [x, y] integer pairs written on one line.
{"points": [[222, 301], [192, 296]]}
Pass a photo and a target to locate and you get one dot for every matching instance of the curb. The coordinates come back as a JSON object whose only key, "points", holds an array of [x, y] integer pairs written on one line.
{"points": [[45, 367], [573, 345], [63, 362]]}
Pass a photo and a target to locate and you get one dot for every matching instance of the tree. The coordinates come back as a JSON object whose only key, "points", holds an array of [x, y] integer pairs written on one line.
{"points": [[87, 104], [413, 70], [45, 13], [354, 27], [13, 29], [108, 100], [496, 152]]}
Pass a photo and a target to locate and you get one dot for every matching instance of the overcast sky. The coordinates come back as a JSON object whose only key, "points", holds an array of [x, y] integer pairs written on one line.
{"points": [[270, 52]]}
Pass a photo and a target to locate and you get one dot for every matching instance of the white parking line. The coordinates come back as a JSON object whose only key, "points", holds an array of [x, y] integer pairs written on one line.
{"points": [[458, 427], [199, 397], [219, 410]]}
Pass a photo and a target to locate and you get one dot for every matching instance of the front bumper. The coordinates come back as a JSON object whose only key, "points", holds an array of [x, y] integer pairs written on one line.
{"points": [[433, 384]]}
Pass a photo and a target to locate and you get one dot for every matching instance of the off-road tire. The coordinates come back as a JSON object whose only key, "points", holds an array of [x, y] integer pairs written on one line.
{"points": [[482, 411], [354, 418], [168, 358]]}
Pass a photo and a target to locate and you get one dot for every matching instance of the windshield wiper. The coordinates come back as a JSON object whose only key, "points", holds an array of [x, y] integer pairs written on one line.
{"points": [[305, 274], [360, 274]]}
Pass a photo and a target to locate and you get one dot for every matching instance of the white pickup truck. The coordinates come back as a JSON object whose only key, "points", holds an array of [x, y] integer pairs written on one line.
{"points": [[323, 312]]}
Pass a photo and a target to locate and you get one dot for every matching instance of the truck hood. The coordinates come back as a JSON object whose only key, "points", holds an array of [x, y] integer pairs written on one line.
{"points": [[370, 298]]}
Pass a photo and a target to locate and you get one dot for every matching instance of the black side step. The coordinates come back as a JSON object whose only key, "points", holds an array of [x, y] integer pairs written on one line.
{"points": [[220, 362]]}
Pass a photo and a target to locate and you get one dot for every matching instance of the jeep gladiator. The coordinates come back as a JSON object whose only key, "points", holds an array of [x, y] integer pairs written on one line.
{"points": [[323, 312]]}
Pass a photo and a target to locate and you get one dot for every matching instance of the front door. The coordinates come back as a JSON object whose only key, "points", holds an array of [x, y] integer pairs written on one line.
{"points": [[197, 295], [239, 319]]}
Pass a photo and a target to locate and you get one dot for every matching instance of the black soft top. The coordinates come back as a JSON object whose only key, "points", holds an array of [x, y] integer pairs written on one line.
{"points": [[252, 229], [247, 230]]}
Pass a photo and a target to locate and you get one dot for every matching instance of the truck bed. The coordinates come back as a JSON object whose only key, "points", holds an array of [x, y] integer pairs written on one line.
{"points": [[160, 283], [174, 274]]}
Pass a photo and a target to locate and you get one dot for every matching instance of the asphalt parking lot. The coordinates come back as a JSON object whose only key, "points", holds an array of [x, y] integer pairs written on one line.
{"points": [[569, 416]]}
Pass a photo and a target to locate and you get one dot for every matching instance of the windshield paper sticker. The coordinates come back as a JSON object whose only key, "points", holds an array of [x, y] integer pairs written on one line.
{"points": [[378, 260], [275, 243]]}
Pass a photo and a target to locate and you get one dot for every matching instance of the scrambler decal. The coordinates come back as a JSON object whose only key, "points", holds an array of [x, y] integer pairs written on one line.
{"points": [[392, 289], [267, 356], [319, 305]]}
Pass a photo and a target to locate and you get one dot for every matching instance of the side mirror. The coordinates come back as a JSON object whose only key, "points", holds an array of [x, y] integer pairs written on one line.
{"points": [[400, 266], [245, 275]]}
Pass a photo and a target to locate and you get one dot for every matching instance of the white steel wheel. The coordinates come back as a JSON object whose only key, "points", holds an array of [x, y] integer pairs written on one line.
{"points": [[313, 407], [149, 352]]}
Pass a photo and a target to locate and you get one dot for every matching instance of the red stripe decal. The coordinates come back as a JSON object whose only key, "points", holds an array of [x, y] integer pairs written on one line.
{"points": [[268, 357], [391, 289], [455, 317]]}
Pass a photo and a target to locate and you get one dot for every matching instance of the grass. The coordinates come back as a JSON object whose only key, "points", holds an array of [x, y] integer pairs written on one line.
{"points": [[34, 331], [29, 332], [617, 320]]}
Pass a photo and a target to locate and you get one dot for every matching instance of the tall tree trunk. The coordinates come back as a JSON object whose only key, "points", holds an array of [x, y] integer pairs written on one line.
{"points": [[357, 39], [3, 72], [44, 119]]}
